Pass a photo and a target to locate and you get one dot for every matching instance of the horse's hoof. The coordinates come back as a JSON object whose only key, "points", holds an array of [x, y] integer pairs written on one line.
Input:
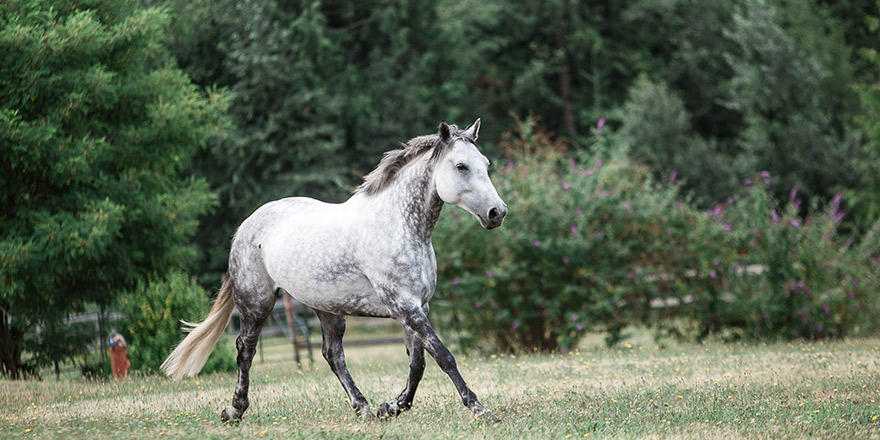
{"points": [[230, 415], [482, 413], [365, 412], [489, 416], [388, 410]]}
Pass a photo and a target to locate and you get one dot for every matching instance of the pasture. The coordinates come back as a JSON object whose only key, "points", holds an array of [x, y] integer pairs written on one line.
{"points": [[640, 389]]}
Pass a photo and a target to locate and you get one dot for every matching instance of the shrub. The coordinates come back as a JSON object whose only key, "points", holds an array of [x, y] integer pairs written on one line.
{"points": [[593, 242], [588, 244], [799, 277], [154, 312]]}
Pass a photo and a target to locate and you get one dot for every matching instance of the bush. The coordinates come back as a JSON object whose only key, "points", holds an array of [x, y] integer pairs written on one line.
{"points": [[152, 329], [596, 243], [588, 244], [798, 277]]}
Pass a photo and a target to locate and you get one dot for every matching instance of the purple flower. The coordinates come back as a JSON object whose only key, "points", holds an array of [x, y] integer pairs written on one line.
{"points": [[835, 201], [566, 186], [631, 275], [577, 211], [573, 164], [712, 274], [597, 234], [490, 274], [716, 262], [455, 281], [792, 194], [589, 172], [565, 261], [672, 176], [794, 223], [574, 318], [515, 325], [826, 309], [477, 304], [727, 227], [574, 229], [536, 243], [730, 200], [580, 327], [606, 193], [600, 124], [854, 282], [774, 216], [627, 207], [747, 182], [849, 242], [668, 231]]}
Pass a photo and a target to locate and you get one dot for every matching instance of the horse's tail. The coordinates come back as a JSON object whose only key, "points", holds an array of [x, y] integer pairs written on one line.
{"points": [[190, 355]]}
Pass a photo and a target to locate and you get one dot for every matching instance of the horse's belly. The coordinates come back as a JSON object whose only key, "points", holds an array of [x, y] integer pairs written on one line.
{"points": [[344, 294]]}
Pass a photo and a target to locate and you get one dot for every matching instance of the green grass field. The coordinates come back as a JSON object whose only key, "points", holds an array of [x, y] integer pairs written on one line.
{"points": [[799, 390]]}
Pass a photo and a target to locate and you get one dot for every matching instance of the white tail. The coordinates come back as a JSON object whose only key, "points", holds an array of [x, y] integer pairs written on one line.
{"points": [[190, 355]]}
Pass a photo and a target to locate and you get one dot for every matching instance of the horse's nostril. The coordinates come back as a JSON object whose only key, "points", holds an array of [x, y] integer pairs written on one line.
{"points": [[493, 214]]}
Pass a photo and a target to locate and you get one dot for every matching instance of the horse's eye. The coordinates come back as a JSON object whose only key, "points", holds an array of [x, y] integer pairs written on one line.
{"points": [[461, 167]]}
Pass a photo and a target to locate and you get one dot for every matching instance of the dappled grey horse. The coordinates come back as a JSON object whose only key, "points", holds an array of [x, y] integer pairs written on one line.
{"points": [[369, 256]]}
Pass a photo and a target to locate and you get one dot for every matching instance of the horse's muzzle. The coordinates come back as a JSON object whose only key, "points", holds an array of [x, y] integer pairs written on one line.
{"points": [[495, 217]]}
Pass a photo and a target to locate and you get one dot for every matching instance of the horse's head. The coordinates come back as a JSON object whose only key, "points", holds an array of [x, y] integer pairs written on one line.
{"points": [[461, 177]]}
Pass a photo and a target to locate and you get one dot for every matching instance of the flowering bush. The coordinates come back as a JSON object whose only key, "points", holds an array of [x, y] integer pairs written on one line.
{"points": [[796, 277], [592, 242]]}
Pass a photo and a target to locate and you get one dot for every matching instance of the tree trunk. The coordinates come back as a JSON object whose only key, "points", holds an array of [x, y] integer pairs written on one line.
{"points": [[11, 340], [565, 73]]}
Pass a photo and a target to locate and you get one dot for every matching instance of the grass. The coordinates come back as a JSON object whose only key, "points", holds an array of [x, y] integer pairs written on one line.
{"points": [[801, 389]]}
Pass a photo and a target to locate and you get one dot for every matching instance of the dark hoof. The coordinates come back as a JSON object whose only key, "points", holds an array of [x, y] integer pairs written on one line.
{"points": [[230, 415], [388, 410]]}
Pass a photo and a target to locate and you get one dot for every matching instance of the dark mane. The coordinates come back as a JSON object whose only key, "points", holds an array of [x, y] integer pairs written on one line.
{"points": [[392, 161]]}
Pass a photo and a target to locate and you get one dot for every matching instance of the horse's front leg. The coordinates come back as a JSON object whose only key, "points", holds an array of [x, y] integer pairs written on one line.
{"points": [[333, 328], [416, 321], [416, 352]]}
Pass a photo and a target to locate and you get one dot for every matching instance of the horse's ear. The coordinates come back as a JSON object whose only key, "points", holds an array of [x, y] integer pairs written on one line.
{"points": [[443, 131], [474, 130]]}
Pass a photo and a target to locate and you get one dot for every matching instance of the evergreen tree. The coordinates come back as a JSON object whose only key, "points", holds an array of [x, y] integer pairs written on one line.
{"points": [[95, 138]]}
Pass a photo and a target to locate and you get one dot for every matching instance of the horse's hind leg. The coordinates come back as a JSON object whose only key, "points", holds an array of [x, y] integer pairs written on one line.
{"points": [[416, 351], [254, 307], [333, 327]]}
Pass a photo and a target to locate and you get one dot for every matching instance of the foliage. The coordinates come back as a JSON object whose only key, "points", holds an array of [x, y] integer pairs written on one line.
{"points": [[152, 325], [657, 130], [320, 90], [867, 206], [788, 96], [596, 243], [96, 144], [588, 244], [810, 281]]}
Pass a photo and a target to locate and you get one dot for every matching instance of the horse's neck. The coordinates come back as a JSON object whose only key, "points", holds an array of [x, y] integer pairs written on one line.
{"points": [[412, 197]]}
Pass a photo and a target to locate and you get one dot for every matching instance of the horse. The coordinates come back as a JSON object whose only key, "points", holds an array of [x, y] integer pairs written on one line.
{"points": [[368, 256]]}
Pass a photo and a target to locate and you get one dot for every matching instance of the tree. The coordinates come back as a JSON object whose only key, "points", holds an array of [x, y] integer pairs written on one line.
{"points": [[96, 137], [320, 90], [791, 94]]}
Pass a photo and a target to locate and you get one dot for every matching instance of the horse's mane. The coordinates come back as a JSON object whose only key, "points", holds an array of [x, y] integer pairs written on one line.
{"points": [[392, 161]]}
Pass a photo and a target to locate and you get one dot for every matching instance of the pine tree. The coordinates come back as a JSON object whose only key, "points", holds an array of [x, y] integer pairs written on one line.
{"points": [[95, 137]]}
